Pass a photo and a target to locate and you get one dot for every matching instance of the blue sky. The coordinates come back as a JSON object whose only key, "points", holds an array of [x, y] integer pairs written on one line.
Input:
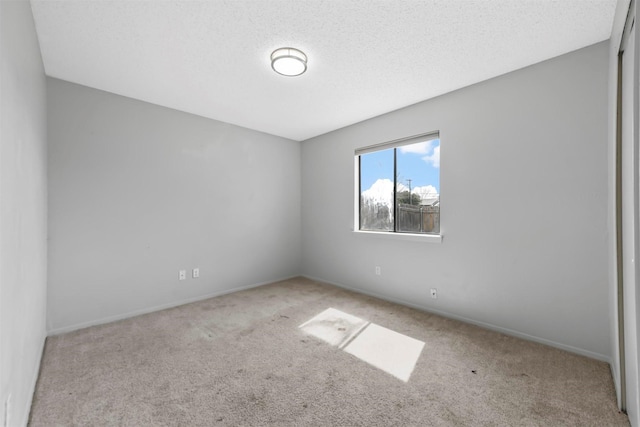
{"points": [[419, 162]]}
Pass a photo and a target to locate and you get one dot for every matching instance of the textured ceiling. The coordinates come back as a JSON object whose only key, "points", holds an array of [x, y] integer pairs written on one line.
{"points": [[366, 57]]}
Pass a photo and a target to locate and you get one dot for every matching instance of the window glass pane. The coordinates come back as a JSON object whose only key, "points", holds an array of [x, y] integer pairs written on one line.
{"points": [[418, 187], [376, 191]]}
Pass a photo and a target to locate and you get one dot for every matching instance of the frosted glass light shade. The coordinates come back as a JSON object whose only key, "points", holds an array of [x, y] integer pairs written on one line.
{"points": [[288, 61]]}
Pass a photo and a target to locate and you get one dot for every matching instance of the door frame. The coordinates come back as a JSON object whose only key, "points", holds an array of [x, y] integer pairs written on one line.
{"points": [[628, 27]]}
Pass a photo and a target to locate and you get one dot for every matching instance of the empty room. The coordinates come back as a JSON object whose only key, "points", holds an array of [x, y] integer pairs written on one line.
{"points": [[319, 212]]}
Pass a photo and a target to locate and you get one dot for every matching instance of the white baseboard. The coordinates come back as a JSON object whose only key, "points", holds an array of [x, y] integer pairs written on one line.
{"points": [[507, 331], [26, 410], [109, 319], [489, 326]]}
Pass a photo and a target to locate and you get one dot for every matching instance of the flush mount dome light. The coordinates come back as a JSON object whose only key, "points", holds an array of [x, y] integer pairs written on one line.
{"points": [[288, 61]]}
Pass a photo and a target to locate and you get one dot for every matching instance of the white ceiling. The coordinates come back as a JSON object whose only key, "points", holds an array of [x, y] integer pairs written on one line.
{"points": [[366, 57]]}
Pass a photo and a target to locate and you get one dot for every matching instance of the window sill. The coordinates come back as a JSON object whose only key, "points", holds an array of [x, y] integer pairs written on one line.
{"points": [[424, 238]]}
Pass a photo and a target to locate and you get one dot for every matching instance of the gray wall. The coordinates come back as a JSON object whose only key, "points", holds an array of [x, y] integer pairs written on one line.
{"points": [[138, 192], [23, 210], [523, 205]]}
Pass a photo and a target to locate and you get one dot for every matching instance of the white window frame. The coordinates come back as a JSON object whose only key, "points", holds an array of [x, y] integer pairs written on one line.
{"points": [[417, 237]]}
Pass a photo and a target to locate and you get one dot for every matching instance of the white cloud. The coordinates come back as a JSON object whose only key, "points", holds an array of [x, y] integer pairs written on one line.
{"points": [[433, 159], [417, 148], [380, 192], [425, 191]]}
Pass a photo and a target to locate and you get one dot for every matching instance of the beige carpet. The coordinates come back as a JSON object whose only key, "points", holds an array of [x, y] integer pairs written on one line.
{"points": [[242, 359]]}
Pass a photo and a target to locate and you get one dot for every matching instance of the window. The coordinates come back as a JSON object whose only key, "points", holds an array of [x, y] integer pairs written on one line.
{"points": [[399, 185]]}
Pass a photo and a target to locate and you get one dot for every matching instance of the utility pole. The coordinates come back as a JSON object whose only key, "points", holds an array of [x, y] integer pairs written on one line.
{"points": [[410, 199]]}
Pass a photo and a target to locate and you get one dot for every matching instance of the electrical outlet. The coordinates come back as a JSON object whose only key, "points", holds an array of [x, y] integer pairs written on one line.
{"points": [[378, 273], [196, 273], [182, 274], [434, 293]]}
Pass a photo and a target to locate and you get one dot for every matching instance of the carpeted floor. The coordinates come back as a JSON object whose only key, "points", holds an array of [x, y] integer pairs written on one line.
{"points": [[241, 359]]}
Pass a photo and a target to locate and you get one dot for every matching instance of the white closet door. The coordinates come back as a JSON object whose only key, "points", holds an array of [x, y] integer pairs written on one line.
{"points": [[630, 186]]}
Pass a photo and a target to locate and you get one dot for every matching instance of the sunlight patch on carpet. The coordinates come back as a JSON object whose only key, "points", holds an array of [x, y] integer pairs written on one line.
{"points": [[334, 327], [390, 351]]}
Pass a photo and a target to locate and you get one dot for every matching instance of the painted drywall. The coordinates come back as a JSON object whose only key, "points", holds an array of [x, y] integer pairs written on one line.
{"points": [[23, 211], [138, 192], [523, 206]]}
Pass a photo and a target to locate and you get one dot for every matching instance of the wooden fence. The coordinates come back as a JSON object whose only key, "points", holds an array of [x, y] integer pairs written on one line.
{"points": [[418, 219]]}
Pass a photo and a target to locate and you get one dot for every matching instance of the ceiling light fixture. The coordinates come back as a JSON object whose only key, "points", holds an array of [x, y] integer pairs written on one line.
{"points": [[289, 61]]}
